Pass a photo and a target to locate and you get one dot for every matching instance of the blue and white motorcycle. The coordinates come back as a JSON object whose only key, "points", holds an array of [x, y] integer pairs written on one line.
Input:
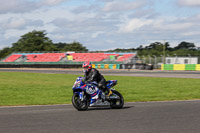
{"points": [[85, 95]]}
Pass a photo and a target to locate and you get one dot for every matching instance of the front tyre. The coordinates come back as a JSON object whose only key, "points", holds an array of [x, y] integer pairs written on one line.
{"points": [[78, 104], [117, 103]]}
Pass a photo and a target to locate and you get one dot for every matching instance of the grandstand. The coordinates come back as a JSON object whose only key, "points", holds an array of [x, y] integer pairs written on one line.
{"points": [[67, 60], [69, 57], [12, 58], [45, 57]]}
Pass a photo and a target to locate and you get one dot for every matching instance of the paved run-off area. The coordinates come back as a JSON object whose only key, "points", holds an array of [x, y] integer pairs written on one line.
{"points": [[139, 117]]}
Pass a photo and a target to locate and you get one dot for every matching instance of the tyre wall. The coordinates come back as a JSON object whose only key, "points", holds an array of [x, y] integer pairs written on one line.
{"points": [[123, 66], [140, 66]]}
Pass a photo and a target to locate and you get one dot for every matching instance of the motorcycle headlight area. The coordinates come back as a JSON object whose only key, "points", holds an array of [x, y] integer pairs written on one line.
{"points": [[77, 84]]}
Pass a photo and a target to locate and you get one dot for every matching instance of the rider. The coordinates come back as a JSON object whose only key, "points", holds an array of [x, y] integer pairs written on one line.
{"points": [[92, 74]]}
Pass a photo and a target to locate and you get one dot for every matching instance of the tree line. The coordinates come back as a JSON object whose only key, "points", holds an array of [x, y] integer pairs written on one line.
{"points": [[38, 41], [164, 49]]}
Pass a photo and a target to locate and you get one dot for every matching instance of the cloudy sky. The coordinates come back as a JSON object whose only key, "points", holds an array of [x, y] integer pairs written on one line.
{"points": [[102, 24]]}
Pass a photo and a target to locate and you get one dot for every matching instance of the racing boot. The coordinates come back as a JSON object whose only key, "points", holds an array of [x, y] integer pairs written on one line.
{"points": [[108, 93]]}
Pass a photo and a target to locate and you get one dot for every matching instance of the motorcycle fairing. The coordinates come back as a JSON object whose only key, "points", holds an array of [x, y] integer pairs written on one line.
{"points": [[111, 83]]}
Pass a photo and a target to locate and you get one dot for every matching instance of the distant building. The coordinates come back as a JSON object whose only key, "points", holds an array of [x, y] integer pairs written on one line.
{"points": [[181, 60]]}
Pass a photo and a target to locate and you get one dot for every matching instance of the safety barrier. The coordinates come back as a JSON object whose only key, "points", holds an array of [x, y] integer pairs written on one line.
{"points": [[106, 66], [183, 67], [54, 65]]}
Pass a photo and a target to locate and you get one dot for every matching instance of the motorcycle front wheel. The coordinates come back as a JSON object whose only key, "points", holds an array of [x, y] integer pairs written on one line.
{"points": [[117, 103], [78, 104]]}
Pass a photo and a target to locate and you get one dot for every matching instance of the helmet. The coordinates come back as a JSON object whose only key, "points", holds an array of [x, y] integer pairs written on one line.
{"points": [[87, 66]]}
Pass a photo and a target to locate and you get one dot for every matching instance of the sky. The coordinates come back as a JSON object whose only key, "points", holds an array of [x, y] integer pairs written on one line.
{"points": [[102, 24]]}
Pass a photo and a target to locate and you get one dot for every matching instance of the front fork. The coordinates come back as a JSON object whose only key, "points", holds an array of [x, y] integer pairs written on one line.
{"points": [[81, 95]]}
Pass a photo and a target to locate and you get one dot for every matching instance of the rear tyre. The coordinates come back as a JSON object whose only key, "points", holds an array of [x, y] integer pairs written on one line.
{"points": [[78, 104], [117, 103]]}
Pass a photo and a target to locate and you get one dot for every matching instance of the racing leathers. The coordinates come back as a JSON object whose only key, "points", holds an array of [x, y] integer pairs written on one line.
{"points": [[94, 75]]}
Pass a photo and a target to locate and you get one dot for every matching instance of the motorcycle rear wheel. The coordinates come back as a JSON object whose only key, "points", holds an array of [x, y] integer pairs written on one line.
{"points": [[78, 104], [117, 103]]}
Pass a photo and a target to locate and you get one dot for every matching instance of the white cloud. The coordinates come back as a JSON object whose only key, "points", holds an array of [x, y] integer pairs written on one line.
{"points": [[13, 33], [189, 2], [191, 33], [22, 6], [52, 2], [94, 35], [159, 24], [12, 23], [122, 5], [134, 24], [175, 26], [18, 23], [17, 6]]}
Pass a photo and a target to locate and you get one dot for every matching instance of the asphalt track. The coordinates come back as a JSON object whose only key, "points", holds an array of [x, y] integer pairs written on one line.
{"points": [[122, 72], [147, 117], [138, 117]]}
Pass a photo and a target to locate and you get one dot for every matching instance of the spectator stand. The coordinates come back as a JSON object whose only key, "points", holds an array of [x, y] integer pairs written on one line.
{"points": [[99, 60]]}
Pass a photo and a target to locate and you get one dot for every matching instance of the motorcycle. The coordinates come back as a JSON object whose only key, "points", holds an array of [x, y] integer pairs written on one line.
{"points": [[88, 94]]}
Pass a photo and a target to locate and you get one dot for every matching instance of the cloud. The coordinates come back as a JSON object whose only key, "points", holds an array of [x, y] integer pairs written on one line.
{"points": [[175, 25], [8, 37], [117, 6], [144, 13], [86, 8], [91, 23], [134, 24], [189, 2], [22, 6], [16, 6], [19, 23], [52, 2], [96, 34], [191, 33], [14, 23], [106, 0], [161, 24]]}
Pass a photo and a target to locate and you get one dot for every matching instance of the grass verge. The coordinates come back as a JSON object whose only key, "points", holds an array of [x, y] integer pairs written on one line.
{"points": [[43, 89]]}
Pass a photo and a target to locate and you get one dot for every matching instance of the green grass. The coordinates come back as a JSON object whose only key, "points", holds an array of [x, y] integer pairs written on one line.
{"points": [[36, 89]]}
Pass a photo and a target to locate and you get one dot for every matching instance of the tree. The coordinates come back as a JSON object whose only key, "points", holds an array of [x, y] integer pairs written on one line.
{"points": [[75, 46], [185, 45], [155, 45], [156, 48], [34, 41], [5, 52], [60, 45], [139, 48]]}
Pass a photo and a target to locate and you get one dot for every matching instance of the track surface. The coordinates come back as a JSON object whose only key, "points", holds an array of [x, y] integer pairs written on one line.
{"points": [[143, 73], [147, 117]]}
